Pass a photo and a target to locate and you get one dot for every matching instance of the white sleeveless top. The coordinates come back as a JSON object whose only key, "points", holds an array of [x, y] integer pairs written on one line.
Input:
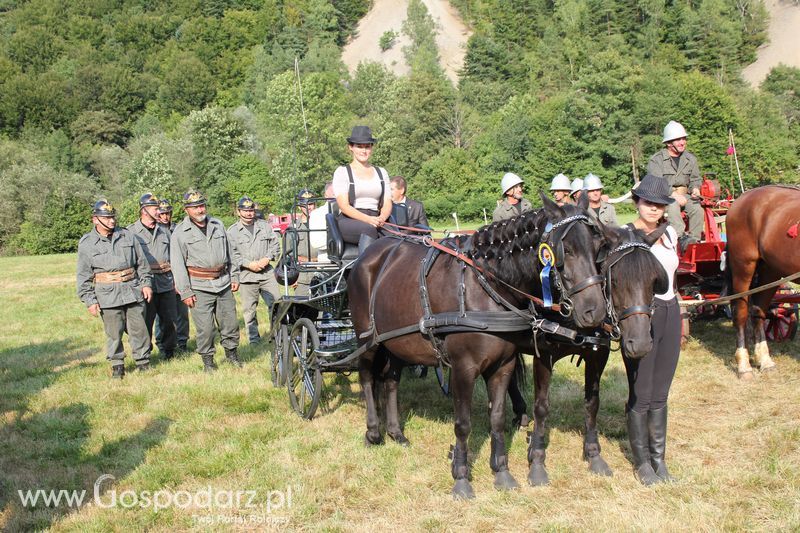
{"points": [[666, 252]]}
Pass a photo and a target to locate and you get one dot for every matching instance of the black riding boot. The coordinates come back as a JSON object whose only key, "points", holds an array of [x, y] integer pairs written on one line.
{"points": [[657, 427], [639, 439], [232, 355], [208, 363], [363, 242]]}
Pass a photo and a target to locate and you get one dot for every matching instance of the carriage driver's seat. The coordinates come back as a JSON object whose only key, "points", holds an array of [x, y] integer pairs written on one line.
{"points": [[338, 251]]}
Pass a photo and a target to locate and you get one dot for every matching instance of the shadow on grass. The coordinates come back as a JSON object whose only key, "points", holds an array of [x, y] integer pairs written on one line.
{"points": [[45, 451], [26, 370]]}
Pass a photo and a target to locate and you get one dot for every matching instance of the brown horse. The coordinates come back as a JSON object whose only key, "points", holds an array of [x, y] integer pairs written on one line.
{"points": [[384, 294], [632, 276], [760, 251]]}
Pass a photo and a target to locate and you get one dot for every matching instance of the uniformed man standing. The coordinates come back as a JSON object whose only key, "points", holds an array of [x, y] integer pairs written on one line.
{"points": [[599, 209], [155, 239], [206, 277], [680, 168], [114, 282], [513, 203], [182, 312], [254, 246]]}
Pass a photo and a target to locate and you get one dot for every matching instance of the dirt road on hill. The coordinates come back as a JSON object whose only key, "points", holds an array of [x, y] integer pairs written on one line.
{"points": [[784, 41], [385, 15]]}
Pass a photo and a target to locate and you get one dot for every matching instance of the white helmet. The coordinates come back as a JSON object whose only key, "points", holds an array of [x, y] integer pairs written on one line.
{"points": [[509, 180], [674, 130], [577, 185], [560, 183], [592, 182]]}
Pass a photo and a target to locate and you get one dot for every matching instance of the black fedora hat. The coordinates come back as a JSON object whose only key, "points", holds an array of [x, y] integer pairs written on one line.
{"points": [[361, 135], [654, 189]]}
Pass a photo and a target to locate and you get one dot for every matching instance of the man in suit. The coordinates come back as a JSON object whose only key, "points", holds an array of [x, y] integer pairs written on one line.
{"points": [[406, 212]]}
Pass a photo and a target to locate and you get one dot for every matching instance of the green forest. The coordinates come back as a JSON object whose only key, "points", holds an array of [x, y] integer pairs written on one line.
{"points": [[112, 98]]}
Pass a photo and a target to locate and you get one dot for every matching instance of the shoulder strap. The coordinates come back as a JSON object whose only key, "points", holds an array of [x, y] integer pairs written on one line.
{"points": [[383, 188], [351, 191]]}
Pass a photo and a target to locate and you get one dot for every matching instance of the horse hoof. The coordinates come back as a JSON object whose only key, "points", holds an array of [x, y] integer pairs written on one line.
{"points": [[537, 477], [462, 490], [503, 480], [400, 439], [372, 440], [598, 465], [746, 375], [767, 369]]}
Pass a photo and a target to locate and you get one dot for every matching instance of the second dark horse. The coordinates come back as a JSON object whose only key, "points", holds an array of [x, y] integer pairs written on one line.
{"points": [[384, 294]]}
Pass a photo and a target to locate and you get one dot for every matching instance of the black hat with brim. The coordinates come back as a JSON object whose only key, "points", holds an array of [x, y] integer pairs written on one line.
{"points": [[361, 135], [654, 189]]}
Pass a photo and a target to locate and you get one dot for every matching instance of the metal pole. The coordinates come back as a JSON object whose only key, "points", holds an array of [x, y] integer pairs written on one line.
{"points": [[736, 159]]}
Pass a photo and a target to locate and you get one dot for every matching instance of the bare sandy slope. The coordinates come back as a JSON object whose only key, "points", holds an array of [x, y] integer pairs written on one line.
{"points": [[389, 15], [784, 41]]}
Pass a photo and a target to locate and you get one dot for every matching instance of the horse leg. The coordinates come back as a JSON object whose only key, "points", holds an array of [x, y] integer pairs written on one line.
{"points": [[496, 386], [393, 428], [368, 386], [761, 303], [594, 364], [742, 273], [463, 385], [518, 404], [542, 373]]}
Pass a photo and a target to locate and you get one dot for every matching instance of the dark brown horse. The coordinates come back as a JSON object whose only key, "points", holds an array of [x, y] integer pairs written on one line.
{"points": [[759, 248], [632, 276], [384, 295]]}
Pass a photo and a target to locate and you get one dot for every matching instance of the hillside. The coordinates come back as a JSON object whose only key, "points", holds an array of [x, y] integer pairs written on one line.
{"points": [[389, 15], [783, 46]]}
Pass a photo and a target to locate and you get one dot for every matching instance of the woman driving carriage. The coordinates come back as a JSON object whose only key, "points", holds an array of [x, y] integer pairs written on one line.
{"points": [[362, 192], [650, 378]]}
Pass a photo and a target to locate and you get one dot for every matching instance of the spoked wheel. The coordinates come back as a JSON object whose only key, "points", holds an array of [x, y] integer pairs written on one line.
{"points": [[781, 323], [277, 368], [304, 378]]}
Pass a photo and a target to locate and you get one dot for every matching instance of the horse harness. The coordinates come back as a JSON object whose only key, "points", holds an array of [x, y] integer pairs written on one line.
{"points": [[615, 319], [435, 325]]}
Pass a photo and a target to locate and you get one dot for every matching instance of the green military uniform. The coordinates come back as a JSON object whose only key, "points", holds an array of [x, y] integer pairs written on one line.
{"points": [[111, 273], [155, 244], [210, 252], [606, 214], [685, 174], [181, 316], [249, 244], [505, 210]]}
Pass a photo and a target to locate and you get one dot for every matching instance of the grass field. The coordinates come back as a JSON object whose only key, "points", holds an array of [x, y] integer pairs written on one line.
{"points": [[734, 446]]}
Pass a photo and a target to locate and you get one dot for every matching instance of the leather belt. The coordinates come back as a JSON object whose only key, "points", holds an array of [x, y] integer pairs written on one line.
{"points": [[160, 268], [205, 273], [114, 277]]}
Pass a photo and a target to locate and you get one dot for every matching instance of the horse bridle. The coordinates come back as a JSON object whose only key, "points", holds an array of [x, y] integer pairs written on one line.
{"points": [[623, 250], [553, 238]]}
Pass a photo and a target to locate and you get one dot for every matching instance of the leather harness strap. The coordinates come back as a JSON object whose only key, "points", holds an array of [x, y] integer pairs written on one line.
{"points": [[118, 276]]}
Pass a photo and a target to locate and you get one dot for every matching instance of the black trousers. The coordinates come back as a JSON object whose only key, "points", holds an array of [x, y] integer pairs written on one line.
{"points": [[353, 229], [650, 377]]}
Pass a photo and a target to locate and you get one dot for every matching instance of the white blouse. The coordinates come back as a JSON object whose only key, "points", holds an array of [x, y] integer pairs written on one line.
{"points": [[666, 252], [368, 192]]}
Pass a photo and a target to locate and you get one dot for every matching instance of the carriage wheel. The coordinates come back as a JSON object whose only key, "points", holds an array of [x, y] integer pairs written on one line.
{"points": [[277, 368], [781, 324], [303, 376]]}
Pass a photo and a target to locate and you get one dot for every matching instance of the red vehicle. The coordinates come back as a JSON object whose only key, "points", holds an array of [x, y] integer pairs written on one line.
{"points": [[279, 222], [700, 273]]}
